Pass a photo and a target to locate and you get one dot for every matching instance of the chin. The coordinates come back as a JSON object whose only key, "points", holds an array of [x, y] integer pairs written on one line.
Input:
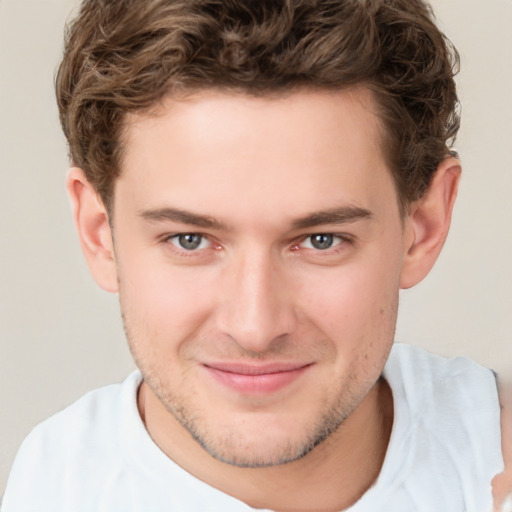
{"points": [[243, 445], [257, 455]]}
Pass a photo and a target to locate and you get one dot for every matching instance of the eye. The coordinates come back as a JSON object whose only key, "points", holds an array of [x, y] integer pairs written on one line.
{"points": [[189, 241], [321, 241]]}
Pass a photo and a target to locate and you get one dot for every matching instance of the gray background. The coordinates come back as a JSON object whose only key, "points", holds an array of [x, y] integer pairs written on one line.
{"points": [[61, 336]]}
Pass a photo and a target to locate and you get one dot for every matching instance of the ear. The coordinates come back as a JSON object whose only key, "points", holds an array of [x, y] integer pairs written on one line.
{"points": [[92, 224], [428, 223]]}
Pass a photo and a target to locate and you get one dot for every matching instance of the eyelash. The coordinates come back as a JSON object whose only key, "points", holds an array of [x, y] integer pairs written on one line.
{"points": [[337, 241], [179, 235], [342, 241]]}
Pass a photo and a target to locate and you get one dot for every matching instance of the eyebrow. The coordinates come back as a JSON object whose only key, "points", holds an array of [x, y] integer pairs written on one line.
{"points": [[183, 217], [342, 215]]}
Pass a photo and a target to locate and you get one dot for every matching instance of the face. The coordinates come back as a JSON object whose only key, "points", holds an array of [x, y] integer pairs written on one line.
{"points": [[258, 246]]}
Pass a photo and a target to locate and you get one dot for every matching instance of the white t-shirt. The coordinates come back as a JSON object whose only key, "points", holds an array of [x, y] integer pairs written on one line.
{"points": [[96, 455]]}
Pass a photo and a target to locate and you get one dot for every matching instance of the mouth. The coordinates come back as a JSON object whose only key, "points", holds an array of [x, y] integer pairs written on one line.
{"points": [[256, 379]]}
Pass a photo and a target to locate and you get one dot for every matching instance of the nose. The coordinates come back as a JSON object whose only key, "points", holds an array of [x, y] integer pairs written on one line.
{"points": [[255, 304]]}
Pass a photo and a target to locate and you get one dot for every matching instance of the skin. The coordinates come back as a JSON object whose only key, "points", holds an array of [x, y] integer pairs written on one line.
{"points": [[257, 179]]}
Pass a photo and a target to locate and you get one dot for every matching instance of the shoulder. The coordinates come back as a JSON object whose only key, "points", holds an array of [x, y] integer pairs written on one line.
{"points": [[444, 394], [97, 411], [421, 375], [70, 444], [448, 410]]}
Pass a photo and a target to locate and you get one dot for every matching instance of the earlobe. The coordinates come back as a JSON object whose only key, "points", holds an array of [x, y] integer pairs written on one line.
{"points": [[92, 223], [428, 223]]}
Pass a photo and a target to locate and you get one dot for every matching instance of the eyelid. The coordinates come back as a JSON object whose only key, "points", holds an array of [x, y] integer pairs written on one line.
{"points": [[343, 239], [337, 240], [340, 239], [170, 238], [204, 240]]}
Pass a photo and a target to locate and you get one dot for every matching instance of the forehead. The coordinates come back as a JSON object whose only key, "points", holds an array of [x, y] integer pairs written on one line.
{"points": [[286, 153]]}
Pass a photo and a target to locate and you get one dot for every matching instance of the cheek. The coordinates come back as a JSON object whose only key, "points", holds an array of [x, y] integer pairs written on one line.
{"points": [[162, 303], [356, 303]]}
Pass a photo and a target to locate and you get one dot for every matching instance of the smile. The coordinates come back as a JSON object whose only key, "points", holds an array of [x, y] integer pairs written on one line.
{"points": [[256, 379]]}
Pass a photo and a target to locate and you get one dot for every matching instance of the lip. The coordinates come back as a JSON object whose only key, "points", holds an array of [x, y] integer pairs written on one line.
{"points": [[256, 379]]}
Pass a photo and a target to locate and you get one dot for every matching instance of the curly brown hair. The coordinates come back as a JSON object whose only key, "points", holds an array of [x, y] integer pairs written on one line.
{"points": [[125, 56]]}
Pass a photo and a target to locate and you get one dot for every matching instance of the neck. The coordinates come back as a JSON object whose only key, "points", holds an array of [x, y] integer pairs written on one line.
{"points": [[332, 476]]}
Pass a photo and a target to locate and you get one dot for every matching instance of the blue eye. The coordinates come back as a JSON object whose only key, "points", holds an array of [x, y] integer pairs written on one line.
{"points": [[189, 241], [321, 241]]}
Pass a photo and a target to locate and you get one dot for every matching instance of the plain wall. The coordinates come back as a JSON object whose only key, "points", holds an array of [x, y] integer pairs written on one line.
{"points": [[61, 336]]}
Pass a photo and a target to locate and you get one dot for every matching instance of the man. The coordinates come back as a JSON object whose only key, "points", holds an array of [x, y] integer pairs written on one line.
{"points": [[257, 180]]}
